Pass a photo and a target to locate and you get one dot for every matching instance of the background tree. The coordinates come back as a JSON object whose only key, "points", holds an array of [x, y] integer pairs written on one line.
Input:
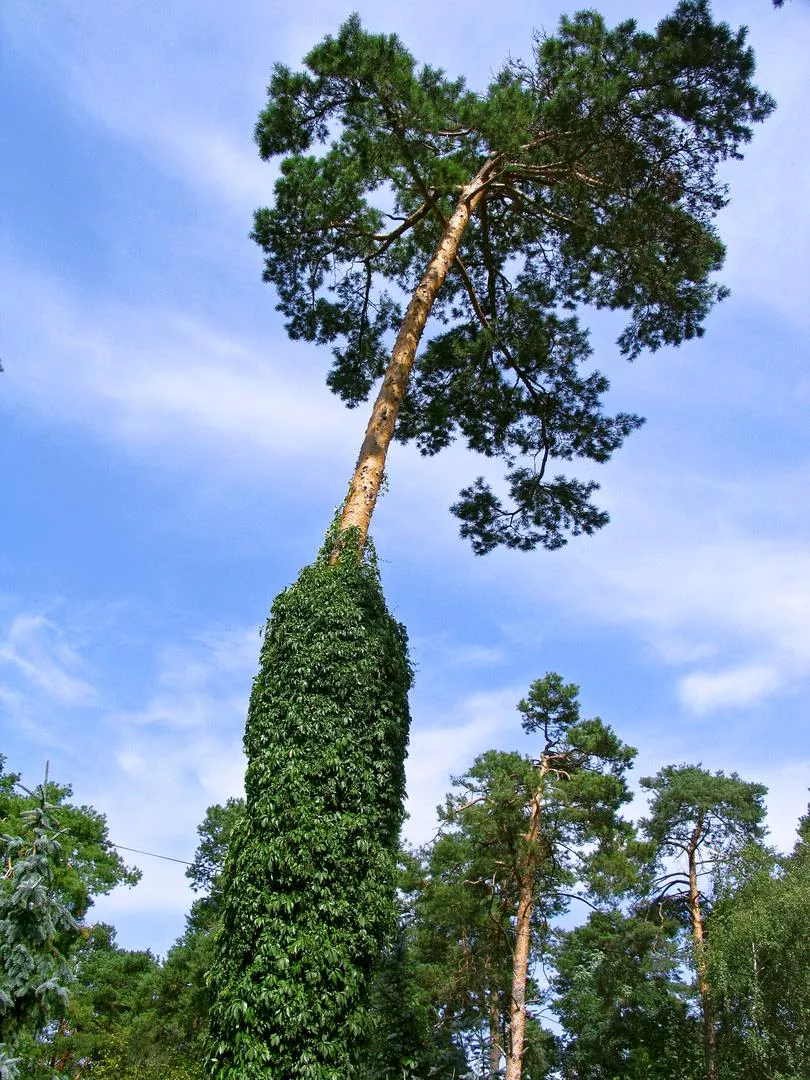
{"points": [[183, 987], [108, 1028], [518, 837], [461, 933], [129, 1014], [703, 820], [406, 1042], [759, 964], [86, 863], [587, 177], [620, 998], [55, 858]]}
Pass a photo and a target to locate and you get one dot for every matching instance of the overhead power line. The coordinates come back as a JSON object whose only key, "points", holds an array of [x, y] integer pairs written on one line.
{"points": [[152, 854]]}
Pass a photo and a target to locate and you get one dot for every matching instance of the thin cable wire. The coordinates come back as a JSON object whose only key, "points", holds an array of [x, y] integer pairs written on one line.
{"points": [[168, 858]]}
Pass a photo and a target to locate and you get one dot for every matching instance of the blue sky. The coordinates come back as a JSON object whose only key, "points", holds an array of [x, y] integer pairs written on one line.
{"points": [[170, 460]]}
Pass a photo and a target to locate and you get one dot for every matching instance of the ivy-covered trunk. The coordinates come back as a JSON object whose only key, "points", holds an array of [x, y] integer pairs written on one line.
{"points": [[309, 880]]}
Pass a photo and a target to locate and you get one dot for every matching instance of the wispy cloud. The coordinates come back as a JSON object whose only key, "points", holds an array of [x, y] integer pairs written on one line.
{"points": [[442, 649], [195, 119], [151, 83], [446, 744], [767, 234], [43, 660], [155, 378], [721, 598], [732, 688], [171, 756]]}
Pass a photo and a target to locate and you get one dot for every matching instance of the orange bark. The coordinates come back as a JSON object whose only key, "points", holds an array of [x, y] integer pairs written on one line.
{"points": [[704, 989], [523, 939], [365, 483]]}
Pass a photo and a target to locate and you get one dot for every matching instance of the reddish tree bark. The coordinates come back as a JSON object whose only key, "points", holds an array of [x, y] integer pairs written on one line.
{"points": [[368, 473], [704, 988]]}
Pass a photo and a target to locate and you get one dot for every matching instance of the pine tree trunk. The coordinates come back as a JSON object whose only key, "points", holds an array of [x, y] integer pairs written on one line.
{"points": [[365, 483], [494, 1035], [704, 989], [523, 939], [520, 971]]}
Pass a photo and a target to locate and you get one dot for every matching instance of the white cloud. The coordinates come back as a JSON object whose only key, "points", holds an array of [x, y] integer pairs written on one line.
{"points": [[145, 77], [732, 688], [442, 649], [153, 766], [787, 799], [153, 378], [766, 228], [34, 646], [443, 745], [172, 757], [721, 598]]}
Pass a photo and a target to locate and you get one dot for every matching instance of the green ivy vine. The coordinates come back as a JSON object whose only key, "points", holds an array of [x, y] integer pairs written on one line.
{"points": [[309, 879]]}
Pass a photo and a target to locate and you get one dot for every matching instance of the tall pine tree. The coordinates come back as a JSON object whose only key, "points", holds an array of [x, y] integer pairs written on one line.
{"points": [[586, 177]]}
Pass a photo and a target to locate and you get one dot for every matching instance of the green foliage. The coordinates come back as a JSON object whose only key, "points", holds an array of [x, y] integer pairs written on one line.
{"points": [[472, 875], [759, 959], [584, 788], [620, 1000], [205, 873], [214, 833], [309, 879], [85, 864], [128, 1015], [56, 857], [406, 1044], [107, 1026], [711, 814], [34, 921], [461, 933], [602, 193]]}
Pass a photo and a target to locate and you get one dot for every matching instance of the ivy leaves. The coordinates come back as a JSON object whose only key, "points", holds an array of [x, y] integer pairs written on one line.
{"points": [[309, 880]]}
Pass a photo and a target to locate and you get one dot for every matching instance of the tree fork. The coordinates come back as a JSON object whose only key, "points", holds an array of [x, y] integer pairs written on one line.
{"points": [[365, 484]]}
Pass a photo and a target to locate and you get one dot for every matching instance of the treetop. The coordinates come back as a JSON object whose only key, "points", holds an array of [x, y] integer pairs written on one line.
{"points": [[600, 190], [691, 804]]}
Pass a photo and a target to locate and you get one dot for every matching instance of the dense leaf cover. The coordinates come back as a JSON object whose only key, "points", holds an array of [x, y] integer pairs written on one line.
{"points": [[118, 1019], [55, 857], [601, 191], [619, 995], [34, 972], [621, 985], [701, 817], [309, 880], [759, 963]]}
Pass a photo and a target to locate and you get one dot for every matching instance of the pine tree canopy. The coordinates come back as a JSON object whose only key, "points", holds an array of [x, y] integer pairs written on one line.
{"points": [[591, 176]]}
